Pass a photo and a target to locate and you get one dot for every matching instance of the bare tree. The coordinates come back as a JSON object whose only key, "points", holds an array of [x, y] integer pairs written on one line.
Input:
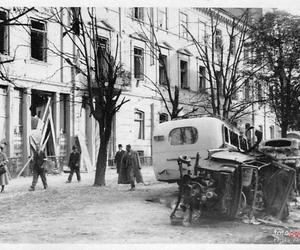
{"points": [[10, 17], [100, 71], [225, 59]]}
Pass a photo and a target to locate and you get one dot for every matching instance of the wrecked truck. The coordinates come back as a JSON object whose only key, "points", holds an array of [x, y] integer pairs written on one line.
{"points": [[223, 178]]}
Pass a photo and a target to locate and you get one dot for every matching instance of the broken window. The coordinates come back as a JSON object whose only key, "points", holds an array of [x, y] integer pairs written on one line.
{"points": [[138, 62], [3, 34], [184, 135], [183, 74], [38, 40], [139, 121], [163, 67]]}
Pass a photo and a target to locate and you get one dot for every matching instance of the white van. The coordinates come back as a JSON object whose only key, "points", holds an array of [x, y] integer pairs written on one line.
{"points": [[188, 137]]}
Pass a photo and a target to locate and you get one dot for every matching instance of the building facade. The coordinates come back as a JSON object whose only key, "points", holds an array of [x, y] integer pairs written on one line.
{"points": [[39, 74]]}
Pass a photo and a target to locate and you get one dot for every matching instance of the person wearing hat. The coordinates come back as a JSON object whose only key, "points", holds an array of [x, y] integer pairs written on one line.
{"points": [[118, 157], [74, 164], [130, 170], [38, 159], [4, 176]]}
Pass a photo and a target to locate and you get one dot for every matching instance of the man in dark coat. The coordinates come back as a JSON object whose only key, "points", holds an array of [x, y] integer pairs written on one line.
{"points": [[130, 168], [74, 164], [118, 157], [38, 160]]}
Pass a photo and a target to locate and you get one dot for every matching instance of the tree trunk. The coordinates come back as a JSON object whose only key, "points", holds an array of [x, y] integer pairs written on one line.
{"points": [[101, 164]]}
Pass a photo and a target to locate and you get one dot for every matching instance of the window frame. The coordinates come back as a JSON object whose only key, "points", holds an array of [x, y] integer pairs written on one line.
{"points": [[163, 117], [182, 32], [45, 42], [201, 78], [218, 40], [164, 12], [142, 64], [182, 85], [183, 139], [161, 69], [5, 34], [141, 121], [140, 13]]}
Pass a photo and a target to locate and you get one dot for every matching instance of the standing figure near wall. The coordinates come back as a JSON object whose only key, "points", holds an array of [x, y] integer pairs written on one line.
{"points": [[39, 158], [3, 169], [130, 170], [118, 158], [74, 164]]}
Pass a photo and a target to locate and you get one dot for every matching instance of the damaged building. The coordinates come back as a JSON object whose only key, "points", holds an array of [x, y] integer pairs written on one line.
{"points": [[45, 101]]}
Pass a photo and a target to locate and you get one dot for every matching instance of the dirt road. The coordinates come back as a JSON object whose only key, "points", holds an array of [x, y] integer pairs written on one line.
{"points": [[81, 213]]}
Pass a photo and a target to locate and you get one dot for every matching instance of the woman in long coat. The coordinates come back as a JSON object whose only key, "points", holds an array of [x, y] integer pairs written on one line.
{"points": [[130, 168], [3, 177]]}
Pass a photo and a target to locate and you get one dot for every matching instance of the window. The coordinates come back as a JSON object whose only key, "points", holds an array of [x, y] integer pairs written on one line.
{"points": [[226, 135], [219, 82], [139, 120], [162, 18], [218, 39], [259, 91], [101, 47], [183, 25], [201, 31], [202, 84], [3, 34], [232, 48], [184, 135], [272, 134], [243, 143], [138, 13], [163, 117], [38, 40], [102, 42], [183, 74], [234, 139], [138, 63], [163, 68], [247, 90], [247, 52]]}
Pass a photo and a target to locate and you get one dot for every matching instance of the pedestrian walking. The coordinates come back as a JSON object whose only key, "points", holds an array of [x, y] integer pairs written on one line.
{"points": [[4, 180], [74, 164], [130, 170], [39, 169], [118, 157]]}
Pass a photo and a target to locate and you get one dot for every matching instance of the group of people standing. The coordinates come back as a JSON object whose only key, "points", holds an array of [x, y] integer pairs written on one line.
{"points": [[127, 163], [128, 167]]}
